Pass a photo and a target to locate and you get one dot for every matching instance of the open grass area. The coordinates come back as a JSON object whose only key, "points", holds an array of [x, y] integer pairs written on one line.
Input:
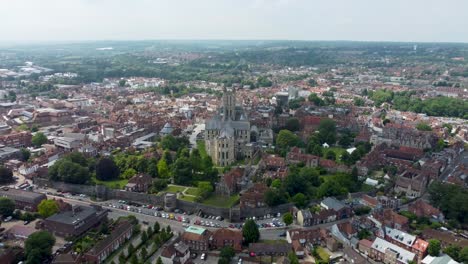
{"points": [[175, 188], [187, 198], [115, 184], [192, 191], [338, 151], [202, 148], [220, 201]]}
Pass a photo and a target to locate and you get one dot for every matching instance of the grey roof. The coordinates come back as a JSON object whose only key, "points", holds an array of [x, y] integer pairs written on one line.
{"points": [[333, 203], [76, 214], [23, 196], [404, 255], [445, 259], [214, 123], [400, 236]]}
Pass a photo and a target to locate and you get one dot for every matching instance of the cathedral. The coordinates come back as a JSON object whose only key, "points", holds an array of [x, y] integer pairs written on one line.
{"points": [[227, 133]]}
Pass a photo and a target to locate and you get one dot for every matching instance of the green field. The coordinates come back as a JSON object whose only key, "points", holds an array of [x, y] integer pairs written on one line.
{"points": [[220, 201], [174, 188], [187, 198], [338, 151], [115, 184], [202, 148], [192, 191]]}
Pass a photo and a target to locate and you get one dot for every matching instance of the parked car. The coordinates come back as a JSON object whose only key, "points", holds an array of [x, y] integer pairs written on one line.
{"points": [[203, 256]]}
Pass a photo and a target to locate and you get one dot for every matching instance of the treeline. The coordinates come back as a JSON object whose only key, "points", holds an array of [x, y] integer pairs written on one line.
{"points": [[451, 200], [435, 106]]}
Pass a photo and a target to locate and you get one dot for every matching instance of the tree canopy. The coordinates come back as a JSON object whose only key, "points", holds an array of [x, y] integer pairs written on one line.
{"points": [[38, 247], [250, 232], [7, 206], [47, 208], [6, 175], [38, 139], [107, 170]]}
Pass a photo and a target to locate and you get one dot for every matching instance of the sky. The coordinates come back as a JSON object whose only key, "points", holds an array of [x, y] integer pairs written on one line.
{"points": [[359, 20]]}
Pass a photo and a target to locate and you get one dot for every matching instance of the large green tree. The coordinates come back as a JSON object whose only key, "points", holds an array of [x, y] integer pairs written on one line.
{"points": [[287, 139], [7, 206], [6, 175], [47, 208], [327, 131], [182, 171], [107, 170], [434, 247], [38, 247], [38, 139], [250, 232]]}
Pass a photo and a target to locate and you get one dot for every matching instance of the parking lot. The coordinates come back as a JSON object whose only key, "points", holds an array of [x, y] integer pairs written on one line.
{"points": [[267, 221]]}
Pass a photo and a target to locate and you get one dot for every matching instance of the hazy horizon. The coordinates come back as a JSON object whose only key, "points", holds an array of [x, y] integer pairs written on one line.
{"points": [[52, 21]]}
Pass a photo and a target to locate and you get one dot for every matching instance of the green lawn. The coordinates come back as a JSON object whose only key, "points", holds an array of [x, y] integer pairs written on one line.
{"points": [[187, 198], [220, 201], [192, 191], [174, 188], [338, 151], [202, 148], [115, 184]]}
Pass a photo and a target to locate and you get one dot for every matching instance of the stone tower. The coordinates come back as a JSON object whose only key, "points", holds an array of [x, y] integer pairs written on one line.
{"points": [[229, 104]]}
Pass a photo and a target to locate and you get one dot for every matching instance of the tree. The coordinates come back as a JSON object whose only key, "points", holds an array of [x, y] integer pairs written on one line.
{"points": [[274, 197], [129, 173], [300, 200], [144, 236], [68, 171], [159, 185], [204, 189], [134, 259], [159, 261], [288, 218], [286, 139], [152, 168], [423, 127], [169, 142], [276, 183], [313, 97], [130, 249], [38, 139], [122, 258], [182, 171], [327, 131], [293, 258], [250, 232], [38, 247], [144, 253], [358, 101], [434, 247], [47, 208], [7, 206], [331, 155], [227, 253], [163, 170], [6, 175], [106, 169], [156, 227], [292, 124], [122, 83], [25, 154], [363, 234]]}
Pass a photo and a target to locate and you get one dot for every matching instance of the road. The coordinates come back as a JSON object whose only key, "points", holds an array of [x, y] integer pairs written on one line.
{"points": [[196, 130], [147, 215]]}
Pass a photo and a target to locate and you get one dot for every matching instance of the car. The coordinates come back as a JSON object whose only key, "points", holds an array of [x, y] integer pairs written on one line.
{"points": [[26, 222], [185, 225], [193, 255], [239, 261], [231, 226], [203, 256], [145, 222], [283, 234], [8, 219]]}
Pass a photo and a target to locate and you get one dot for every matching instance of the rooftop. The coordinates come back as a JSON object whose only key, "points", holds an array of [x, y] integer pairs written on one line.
{"points": [[195, 230]]}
